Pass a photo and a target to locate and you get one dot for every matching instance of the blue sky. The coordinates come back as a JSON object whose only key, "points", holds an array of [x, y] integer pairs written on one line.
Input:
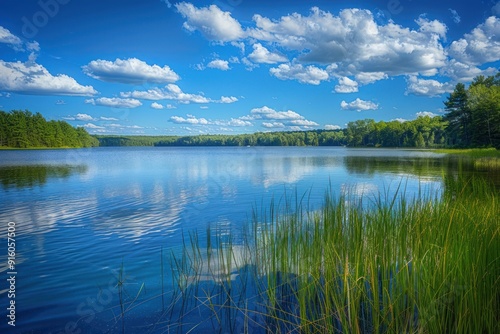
{"points": [[161, 67]]}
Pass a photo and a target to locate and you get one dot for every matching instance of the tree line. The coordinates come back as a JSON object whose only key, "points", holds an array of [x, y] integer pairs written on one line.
{"points": [[472, 119], [291, 138], [23, 129]]}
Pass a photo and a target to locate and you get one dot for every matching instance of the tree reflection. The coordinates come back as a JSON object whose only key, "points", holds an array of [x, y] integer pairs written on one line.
{"points": [[27, 176]]}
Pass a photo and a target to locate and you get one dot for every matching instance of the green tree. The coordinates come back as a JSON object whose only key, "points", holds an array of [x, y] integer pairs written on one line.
{"points": [[459, 117]]}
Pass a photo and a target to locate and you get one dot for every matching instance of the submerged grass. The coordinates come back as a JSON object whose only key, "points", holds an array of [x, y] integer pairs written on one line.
{"points": [[396, 265]]}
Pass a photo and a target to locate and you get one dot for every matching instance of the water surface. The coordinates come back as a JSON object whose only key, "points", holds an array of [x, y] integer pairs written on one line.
{"points": [[89, 220]]}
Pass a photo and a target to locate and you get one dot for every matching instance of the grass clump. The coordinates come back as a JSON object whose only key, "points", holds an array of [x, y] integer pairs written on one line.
{"points": [[472, 152], [395, 265]]}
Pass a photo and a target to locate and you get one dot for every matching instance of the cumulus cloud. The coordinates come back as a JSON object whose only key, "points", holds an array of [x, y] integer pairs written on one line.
{"points": [[212, 22], [346, 85], [427, 87], [130, 71], [461, 72], [426, 113], [7, 37], [302, 122], [219, 64], [234, 122], [102, 118], [170, 92], [267, 113], [305, 74], [355, 42], [431, 27], [84, 117], [262, 55], [480, 46], [228, 99], [370, 77], [32, 78], [115, 102], [359, 105], [156, 105], [271, 125], [190, 119], [332, 127], [278, 119], [93, 126]]}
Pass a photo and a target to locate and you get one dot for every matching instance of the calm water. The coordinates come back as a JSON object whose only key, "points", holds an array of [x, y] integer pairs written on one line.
{"points": [[87, 219]]}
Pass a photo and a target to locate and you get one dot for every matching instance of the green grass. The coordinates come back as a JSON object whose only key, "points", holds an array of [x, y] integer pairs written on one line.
{"points": [[396, 265], [472, 152]]}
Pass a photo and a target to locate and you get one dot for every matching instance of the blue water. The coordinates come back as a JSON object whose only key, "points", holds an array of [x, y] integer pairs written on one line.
{"points": [[91, 224]]}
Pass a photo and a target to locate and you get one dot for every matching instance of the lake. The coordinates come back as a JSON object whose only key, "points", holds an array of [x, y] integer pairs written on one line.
{"points": [[91, 225]]}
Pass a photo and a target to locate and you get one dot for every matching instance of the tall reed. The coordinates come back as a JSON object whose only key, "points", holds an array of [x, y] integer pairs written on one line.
{"points": [[388, 265]]}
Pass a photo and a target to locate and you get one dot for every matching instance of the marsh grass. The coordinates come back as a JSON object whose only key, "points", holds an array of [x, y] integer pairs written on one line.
{"points": [[388, 265], [472, 152]]}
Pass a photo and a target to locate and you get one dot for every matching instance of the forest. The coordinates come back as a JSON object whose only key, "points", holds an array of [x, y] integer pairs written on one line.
{"points": [[422, 132], [23, 129], [471, 119]]}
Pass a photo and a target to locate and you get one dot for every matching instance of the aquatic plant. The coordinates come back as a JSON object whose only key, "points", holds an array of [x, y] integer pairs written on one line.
{"points": [[387, 265]]}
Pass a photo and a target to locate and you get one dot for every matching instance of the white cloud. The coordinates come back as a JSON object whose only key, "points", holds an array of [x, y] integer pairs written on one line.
{"points": [[239, 45], [262, 55], [60, 102], [370, 77], [346, 85], [228, 99], [170, 92], [115, 102], [271, 114], [270, 125], [32, 78], [310, 74], [430, 88], [189, 120], [211, 21], [431, 27], [170, 106], [92, 126], [84, 117], [7, 37], [359, 105], [461, 72], [130, 71], [219, 64], [238, 122], [119, 126], [302, 122], [425, 113], [455, 16], [355, 42], [156, 105], [169, 5], [480, 46], [102, 118], [278, 119], [332, 127], [248, 64]]}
